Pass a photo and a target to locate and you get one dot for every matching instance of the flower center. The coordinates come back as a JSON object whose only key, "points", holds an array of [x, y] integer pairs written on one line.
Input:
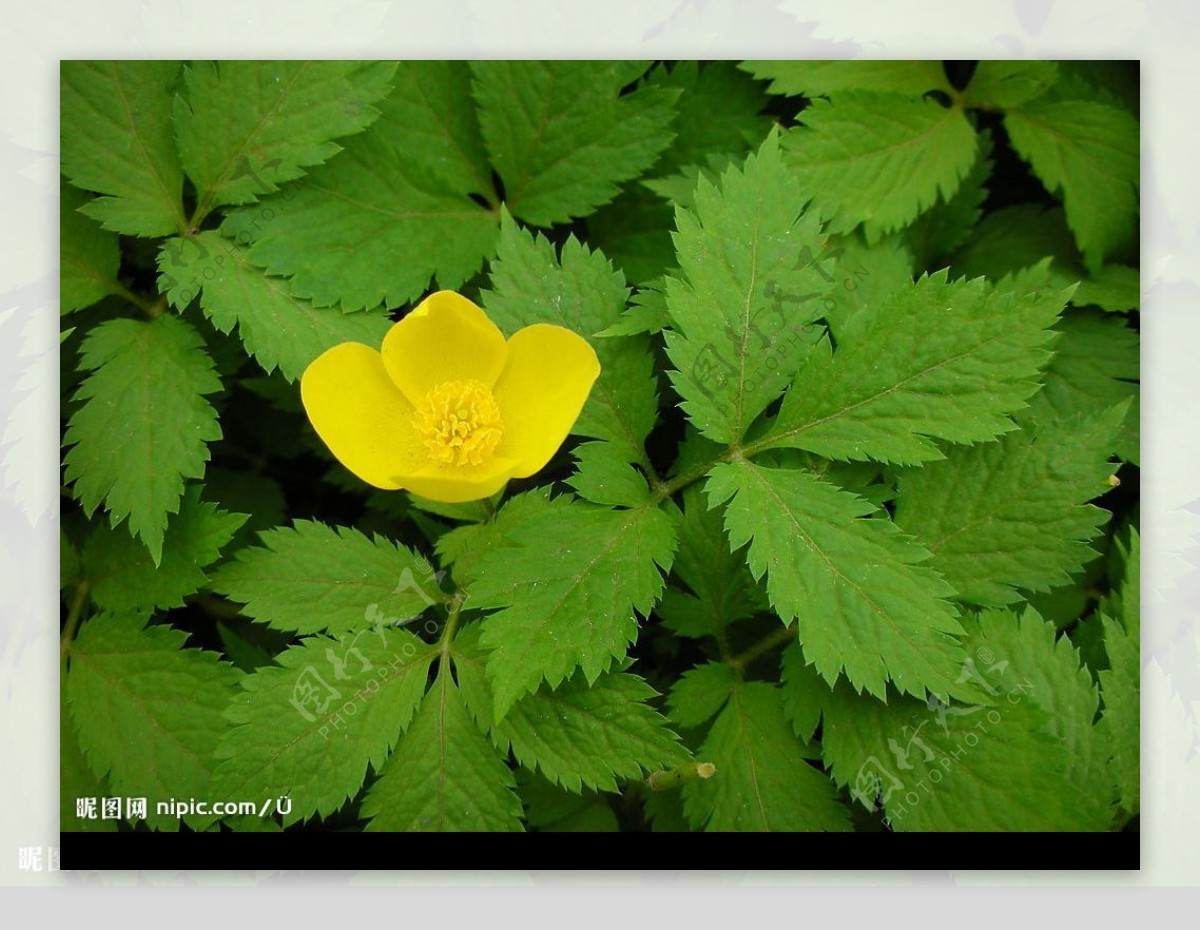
{"points": [[459, 423]]}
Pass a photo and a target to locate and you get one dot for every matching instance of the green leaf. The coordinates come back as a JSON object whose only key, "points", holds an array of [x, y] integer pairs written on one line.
{"points": [[1012, 238], [76, 780], [864, 604], [563, 137], [747, 291], [311, 577], [337, 233], [1023, 763], [561, 609], [940, 360], [803, 691], [1062, 686], [464, 546], [144, 423], [719, 112], [246, 127], [604, 476], [762, 781], [1096, 366], [946, 225], [1090, 153], [308, 727], [553, 810], [148, 712], [579, 290], [879, 159], [88, 255], [590, 736], [118, 140], [1014, 513], [280, 330], [1007, 84], [1120, 685], [701, 692], [635, 232], [122, 577], [444, 775], [821, 78], [720, 588], [1113, 287]]}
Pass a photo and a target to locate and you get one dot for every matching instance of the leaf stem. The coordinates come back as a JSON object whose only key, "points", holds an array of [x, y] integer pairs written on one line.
{"points": [[455, 612], [151, 308], [74, 615], [772, 640]]}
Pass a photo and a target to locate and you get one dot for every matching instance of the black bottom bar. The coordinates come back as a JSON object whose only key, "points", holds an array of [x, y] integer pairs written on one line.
{"points": [[822, 851]]}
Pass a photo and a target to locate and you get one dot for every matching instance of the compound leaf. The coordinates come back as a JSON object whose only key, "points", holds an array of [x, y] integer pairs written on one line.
{"points": [[144, 423]]}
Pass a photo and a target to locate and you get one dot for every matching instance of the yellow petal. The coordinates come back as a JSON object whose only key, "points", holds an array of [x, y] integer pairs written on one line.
{"points": [[446, 338], [362, 416], [543, 387], [462, 483]]}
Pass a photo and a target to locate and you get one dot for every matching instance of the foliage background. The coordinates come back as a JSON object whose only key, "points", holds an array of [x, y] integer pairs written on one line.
{"points": [[222, 224]]}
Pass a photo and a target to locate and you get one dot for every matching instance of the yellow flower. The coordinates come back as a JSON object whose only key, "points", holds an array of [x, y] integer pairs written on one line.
{"points": [[448, 409]]}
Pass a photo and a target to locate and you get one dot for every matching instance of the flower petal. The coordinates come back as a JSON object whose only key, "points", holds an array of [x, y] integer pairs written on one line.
{"points": [[459, 484], [543, 387], [446, 338], [362, 416]]}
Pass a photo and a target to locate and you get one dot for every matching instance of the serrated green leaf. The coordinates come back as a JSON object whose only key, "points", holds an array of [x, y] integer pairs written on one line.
{"points": [[309, 727], [803, 691], [590, 736], [1017, 237], [722, 590], [76, 781], [121, 576], [338, 232], [578, 289], [553, 810], [719, 111], [148, 712], [444, 775], [819, 78], [879, 159], [88, 255], [746, 294], [562, 607], [943, 360], [762, 783], [946, 225], [1013, 513], [1096, 365], [563, 137], [1060, 686], [1090, 153], [634, 231], [701, 692], [311, 577], [463, 546], [1113, 287], [1007, 84], [865, 605], [280, 330], [144, 423], [1120, 686], [246, 127], [118, 140], [603, 475], [957, 768]]}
